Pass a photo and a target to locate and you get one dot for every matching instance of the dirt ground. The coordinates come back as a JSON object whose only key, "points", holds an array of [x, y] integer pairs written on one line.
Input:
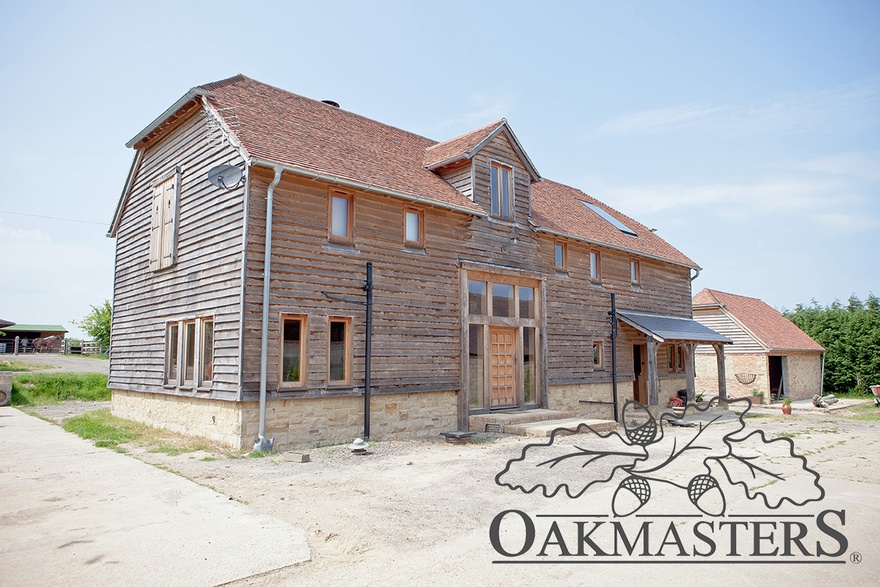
{"points": [[420, 511]]}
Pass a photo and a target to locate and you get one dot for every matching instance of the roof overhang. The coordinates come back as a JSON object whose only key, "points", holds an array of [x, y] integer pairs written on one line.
{"points": [[664, 327], [5, 323], [517, 147], [191, 96], [360, 185]]}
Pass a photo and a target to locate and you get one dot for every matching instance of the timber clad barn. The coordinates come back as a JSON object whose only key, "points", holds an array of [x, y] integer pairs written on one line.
{"points": [[491, 286]]}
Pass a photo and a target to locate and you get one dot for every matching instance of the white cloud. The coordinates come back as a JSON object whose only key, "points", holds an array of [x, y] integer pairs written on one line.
{"points": [[486, 107], [846, 107], [18, 237]]}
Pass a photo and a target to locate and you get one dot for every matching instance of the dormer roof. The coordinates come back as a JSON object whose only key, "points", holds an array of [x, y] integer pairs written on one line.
{"points": [[469, 144]]}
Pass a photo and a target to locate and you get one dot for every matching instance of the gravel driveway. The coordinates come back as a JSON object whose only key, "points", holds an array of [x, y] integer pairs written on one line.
{"points": [[57, 363]]}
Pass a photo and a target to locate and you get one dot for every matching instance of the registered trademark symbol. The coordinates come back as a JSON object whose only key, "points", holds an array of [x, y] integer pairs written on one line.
{"points": [[856, 557]]}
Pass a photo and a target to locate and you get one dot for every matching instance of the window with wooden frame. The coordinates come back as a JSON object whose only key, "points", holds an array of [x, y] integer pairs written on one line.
{"points": [[674, 358], [598, 355], [206, 357], [293, 350], [341, 217], [163, 223], [339, 352], [189, 352], [561, 256], [501, 190], [635, 272], [172, 357], [414, 228], [595, 265]]}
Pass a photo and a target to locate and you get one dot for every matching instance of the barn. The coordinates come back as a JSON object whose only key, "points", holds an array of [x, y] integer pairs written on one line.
{"points": [[288, 270]]}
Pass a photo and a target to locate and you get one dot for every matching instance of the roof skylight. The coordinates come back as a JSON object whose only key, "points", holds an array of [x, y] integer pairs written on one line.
{"points": [[609, 218]]}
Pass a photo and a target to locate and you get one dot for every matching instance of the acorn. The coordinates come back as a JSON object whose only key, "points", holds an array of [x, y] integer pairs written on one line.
{"points": [[704, 492], [630, 496], [646, 433]]}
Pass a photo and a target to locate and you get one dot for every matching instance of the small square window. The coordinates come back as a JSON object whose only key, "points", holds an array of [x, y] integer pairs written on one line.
{"points": [[598, 355], [341, 217], [414, 228], [561, 256], [595, 265]]}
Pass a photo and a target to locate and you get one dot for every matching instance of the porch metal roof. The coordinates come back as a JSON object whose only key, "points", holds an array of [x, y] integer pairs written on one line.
{"points": [[664, 328]]}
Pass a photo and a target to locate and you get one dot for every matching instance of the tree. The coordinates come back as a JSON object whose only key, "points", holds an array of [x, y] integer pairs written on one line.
{"points": [[97, 323], [851, 337]]}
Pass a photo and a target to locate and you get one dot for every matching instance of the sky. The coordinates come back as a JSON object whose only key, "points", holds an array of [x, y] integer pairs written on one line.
{"points": [[747, 133]]}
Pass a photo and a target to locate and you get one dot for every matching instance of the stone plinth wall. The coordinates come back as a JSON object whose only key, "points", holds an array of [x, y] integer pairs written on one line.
{"points": [[296, 422]]}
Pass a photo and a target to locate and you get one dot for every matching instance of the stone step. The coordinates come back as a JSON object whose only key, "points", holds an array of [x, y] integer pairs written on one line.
{"points": [[502, 420], [546, 427]]}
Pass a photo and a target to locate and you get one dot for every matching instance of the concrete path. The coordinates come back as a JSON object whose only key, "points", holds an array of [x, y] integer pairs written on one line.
{"points": [[74, 514]]}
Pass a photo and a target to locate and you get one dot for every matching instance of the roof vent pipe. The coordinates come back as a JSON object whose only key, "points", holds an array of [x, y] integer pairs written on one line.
{"points": [[331, 103]]}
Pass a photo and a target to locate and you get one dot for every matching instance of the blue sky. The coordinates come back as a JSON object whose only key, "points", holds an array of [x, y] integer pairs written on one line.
{"points": [[747, 133]]}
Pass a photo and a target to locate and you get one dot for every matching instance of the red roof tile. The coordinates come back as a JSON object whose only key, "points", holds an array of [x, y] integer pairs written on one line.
{"points": [[276, 125], [558, 207], [286, 128], [460, 146], [772, 328]]}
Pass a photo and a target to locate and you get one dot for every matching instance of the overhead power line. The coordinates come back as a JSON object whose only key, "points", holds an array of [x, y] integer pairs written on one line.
{"points": [[54, 218]]}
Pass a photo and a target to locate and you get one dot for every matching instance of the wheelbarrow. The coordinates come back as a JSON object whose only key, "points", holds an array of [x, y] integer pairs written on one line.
{"points": [[875, 389]]}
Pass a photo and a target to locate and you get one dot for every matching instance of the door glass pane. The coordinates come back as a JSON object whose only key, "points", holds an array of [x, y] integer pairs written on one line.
{"points": [[476, 366], [477, 298], [526, 302], [290, 363], [502, 300], [207, 350], [337, 351], [530, 365]]}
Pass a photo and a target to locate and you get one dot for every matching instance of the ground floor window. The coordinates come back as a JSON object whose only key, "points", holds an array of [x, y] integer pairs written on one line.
{"points": [[292, 350], [190, 342], [339, 359]]}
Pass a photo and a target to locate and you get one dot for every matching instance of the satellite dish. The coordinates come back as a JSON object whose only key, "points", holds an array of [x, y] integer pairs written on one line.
{"points": [[225, 176]]}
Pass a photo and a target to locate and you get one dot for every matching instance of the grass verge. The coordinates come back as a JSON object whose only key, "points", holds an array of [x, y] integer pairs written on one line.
{"points": [[19, 366], [37, 389], [109, 431], [865, 412]]}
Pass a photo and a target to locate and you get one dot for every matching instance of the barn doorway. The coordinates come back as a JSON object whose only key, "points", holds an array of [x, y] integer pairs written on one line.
{"points": [[640, 373], [777, 368]]}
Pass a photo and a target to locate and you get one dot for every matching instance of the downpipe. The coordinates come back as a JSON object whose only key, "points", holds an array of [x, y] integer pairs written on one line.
{"points": [[262, 443]]}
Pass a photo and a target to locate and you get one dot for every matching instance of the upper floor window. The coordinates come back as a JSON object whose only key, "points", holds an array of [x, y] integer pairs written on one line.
{"points": [[635, 272], [341, 217], [595, 265], [163, 224], [561, 256], [501, 190], [414, 228]]}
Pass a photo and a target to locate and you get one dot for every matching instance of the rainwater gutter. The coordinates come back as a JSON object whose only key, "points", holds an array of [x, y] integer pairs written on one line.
{"points": [[262, 443]]}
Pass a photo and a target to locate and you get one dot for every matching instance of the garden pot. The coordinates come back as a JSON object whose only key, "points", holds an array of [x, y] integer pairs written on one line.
{"points": [[786, 409]]}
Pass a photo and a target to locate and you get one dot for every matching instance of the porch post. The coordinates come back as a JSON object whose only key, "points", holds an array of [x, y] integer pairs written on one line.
{"points": [[653, 377], [689, 369], [722, 376]]}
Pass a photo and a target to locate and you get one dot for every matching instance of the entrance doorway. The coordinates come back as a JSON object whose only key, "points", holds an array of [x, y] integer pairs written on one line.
{"points": [[502, 357], [640, 373], [777, 377]]}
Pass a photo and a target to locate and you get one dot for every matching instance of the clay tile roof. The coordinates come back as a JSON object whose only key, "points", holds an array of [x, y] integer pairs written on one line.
{"points": [[558, 208], [460, 146], [286, 128], [772, 328]]}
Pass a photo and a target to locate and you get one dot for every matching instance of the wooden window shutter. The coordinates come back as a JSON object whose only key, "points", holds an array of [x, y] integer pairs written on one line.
{"points": [[169, 220], [156, 229]]}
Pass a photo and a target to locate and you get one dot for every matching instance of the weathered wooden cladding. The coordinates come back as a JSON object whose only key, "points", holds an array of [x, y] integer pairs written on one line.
{"points": [[416, 335], [204, 282]]}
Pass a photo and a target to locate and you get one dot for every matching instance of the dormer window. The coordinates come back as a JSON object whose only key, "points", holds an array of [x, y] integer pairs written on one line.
{"points": [[501, 190]]}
